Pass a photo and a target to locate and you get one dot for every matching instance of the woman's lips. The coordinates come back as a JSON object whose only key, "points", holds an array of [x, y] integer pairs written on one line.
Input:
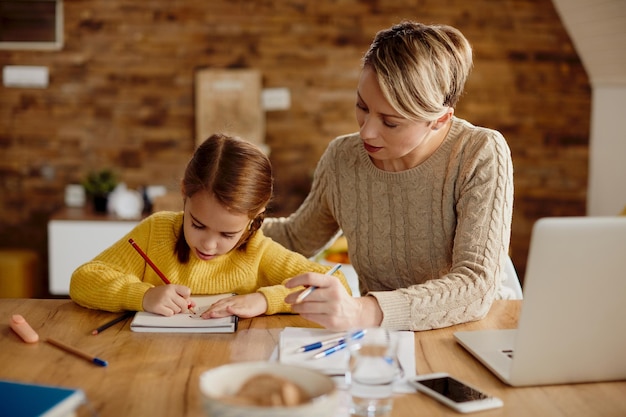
{"points": [[204, 256], [370, 148]]}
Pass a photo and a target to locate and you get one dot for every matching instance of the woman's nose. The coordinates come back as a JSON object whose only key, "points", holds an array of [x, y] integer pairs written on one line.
{"points": [[368, 128]]}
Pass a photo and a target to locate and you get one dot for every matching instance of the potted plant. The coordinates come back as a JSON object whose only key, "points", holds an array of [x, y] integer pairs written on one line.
{"points": [[98, 185]]}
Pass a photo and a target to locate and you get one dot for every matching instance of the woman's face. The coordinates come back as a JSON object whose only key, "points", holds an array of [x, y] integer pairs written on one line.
{"points": [[210, 228], [393, 142]]}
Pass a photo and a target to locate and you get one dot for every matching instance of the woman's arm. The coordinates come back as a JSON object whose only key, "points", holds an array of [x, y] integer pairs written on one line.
{"points": [[313, 224]]}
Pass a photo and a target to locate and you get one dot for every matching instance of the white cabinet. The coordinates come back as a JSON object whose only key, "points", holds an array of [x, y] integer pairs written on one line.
{"points": [[75, 238]]}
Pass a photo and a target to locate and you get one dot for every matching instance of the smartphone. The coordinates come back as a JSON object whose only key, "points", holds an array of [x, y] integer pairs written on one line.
{"points": [[454, 393]]}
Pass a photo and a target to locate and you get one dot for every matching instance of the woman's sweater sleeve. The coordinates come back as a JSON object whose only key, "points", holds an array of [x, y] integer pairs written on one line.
{"points": [[313, 224]]}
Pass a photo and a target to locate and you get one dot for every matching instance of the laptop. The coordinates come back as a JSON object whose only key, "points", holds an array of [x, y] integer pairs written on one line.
{"points": [[572, 326]]}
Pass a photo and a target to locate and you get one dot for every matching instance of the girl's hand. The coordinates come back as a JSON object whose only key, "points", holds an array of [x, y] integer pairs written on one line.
{"points": [[168, 300], [331, 306], [244, 306]]}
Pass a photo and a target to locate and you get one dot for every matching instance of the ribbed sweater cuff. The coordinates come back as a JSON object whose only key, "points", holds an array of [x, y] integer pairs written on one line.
{"points": [[275, 297], [396, 309], [133, 299]]}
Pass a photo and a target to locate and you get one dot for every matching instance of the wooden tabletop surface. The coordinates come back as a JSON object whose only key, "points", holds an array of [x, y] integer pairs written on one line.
{"points": [[153, 374]]}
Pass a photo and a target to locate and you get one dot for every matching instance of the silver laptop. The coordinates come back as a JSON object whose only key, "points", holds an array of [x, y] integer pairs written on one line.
{"points": [[572, 326]]}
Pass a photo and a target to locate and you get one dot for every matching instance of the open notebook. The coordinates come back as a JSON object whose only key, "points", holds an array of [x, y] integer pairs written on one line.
{"points": [[186, 322], [30, 400]]}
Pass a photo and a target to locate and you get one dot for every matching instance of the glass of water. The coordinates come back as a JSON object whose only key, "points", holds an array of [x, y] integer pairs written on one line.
{"points": [[372, 369]]}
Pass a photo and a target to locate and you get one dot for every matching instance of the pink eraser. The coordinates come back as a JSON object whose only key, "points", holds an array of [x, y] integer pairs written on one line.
{"points": [[23, 329]]}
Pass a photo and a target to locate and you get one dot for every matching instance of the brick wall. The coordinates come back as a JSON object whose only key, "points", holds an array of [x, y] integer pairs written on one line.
{"points": [[121, 95]]}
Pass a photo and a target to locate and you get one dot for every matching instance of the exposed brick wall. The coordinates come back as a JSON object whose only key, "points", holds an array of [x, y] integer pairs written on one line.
{"points": [[121, 95]]}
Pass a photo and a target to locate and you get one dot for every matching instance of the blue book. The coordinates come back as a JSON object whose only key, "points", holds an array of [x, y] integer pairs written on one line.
{"points": [[19, 399]]}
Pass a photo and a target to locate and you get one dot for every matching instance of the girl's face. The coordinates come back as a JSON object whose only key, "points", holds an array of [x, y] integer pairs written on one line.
{"points": [[210, 228], [393, 142]]}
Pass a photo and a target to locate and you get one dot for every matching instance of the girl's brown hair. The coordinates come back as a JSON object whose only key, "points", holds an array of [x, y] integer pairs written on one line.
{"points": [[237, 173]]}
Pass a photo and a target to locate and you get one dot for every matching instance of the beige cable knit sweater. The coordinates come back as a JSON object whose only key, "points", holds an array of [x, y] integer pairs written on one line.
{"points": [[426, 242]]}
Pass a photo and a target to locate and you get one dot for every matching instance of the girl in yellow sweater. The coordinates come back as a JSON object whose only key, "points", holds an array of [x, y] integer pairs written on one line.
{"points": [[214, 246]]}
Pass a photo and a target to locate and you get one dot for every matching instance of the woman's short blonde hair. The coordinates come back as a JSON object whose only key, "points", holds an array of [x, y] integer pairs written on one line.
{"points": [[421, 69]]}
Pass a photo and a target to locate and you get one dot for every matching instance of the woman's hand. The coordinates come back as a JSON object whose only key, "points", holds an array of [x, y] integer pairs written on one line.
{"points": [[245, 306], [168, 300], [331, 306]]}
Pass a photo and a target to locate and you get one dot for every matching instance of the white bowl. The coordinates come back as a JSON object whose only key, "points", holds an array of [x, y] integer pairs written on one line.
{"points": [[227, 379]]}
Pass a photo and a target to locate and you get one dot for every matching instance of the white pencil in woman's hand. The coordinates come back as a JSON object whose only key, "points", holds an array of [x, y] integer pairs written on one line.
{"points": [[304, 294]]}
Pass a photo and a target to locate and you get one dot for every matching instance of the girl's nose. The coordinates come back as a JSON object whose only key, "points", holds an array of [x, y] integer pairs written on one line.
{"points": [[209, 244]]}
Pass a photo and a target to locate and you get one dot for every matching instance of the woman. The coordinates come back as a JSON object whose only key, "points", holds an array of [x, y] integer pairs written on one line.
{"points": [[424, 198]]}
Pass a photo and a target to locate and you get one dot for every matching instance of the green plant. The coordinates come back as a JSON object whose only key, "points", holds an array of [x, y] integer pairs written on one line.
{"points": [[100, 183]]}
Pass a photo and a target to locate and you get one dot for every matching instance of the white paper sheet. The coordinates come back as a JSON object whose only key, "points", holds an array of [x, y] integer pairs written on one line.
{"points": [[291, 338]]}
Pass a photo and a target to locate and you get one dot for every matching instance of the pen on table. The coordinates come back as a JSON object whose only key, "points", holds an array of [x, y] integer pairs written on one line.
{"points": [[112, 322], [340, 339], [304, 294], [79, 353], [153, 266], [339, 346]]}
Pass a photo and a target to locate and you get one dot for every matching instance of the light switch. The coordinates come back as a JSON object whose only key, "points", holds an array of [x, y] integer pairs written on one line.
{"points": [[276, 99], [25, 76]]}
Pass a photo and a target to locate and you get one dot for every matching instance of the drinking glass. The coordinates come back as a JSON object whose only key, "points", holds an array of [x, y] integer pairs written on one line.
{"points": [[372, 369]]}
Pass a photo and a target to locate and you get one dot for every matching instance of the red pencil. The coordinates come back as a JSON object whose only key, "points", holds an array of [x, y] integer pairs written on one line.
{"points": [[153, 266]]}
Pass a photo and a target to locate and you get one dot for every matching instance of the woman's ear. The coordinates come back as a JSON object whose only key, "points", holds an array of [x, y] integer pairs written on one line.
{"points": [[440, 122]]}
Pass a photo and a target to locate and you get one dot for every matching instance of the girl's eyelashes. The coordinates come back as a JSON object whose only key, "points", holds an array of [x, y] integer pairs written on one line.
{"points": [[223, 234]]}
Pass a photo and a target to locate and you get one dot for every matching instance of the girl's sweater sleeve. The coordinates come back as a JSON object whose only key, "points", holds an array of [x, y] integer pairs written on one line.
{"points": [[113, 280]]}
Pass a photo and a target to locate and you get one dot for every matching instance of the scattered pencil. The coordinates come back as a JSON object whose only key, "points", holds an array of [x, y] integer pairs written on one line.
{"points": [[116, 320], [77, 352]]}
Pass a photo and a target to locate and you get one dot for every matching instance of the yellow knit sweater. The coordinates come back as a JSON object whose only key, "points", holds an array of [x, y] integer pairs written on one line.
{"points": [[118, 278]]}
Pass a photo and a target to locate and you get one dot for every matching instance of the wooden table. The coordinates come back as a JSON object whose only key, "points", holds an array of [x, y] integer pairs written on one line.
{"points": [[153, 374]]}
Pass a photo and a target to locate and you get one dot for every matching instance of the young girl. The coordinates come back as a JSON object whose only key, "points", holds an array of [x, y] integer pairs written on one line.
{"points": [[214, 246]]}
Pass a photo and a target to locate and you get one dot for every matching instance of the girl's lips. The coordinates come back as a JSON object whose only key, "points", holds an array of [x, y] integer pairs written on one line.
{"points": [[370, 148], [204, 256]]}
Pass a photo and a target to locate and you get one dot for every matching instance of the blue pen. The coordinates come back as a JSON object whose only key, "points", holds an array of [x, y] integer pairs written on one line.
{"points": [[339, 346], [312, 288], [320, 344]]}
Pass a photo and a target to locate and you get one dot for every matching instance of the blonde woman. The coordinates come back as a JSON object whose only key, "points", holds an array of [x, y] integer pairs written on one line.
{"points": [[423, 197]]}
